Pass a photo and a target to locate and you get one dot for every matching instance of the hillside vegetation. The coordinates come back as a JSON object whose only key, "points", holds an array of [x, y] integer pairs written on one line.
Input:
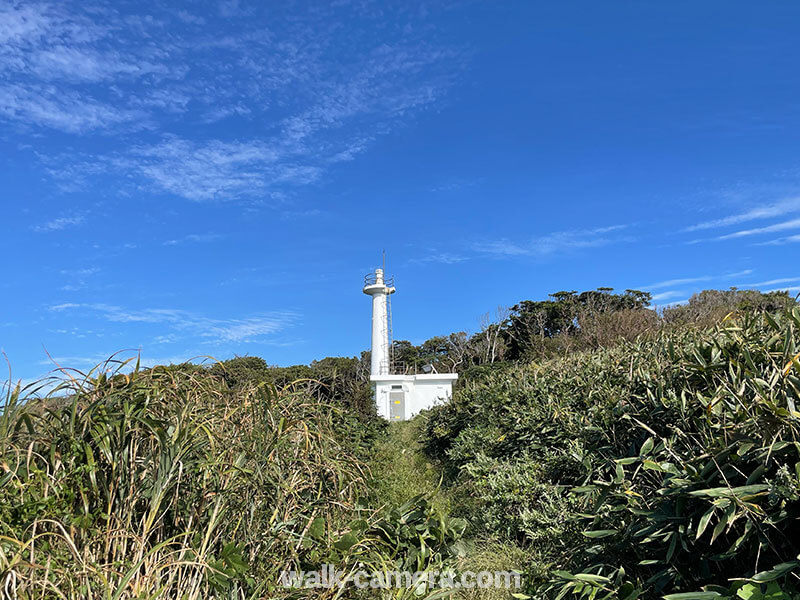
{"points": [[172, 483], [663, 466], [605, 449]]}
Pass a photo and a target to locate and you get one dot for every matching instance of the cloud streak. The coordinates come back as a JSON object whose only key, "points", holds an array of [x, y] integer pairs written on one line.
{"points": [[778, 209], [792, 239], [783, 226], [771, 282], [60, 223], [698, 279], [67, 111], [194, 238], [666, 295], [235, 330], [553, 243], [443, 258], [214, 170]]}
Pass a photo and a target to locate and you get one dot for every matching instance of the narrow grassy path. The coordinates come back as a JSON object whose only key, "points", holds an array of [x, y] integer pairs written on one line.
{"points": [[401, 471]]}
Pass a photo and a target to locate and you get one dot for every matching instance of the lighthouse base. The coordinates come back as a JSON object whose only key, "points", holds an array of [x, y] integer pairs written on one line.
{"points": [[401, 397]]}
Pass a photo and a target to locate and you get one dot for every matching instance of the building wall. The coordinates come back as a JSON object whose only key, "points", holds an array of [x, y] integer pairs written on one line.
{"points": [[427, 394], [421, 392]]}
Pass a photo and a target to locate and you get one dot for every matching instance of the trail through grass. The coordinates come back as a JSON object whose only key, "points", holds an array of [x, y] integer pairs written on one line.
{"points": [[401, 471]]}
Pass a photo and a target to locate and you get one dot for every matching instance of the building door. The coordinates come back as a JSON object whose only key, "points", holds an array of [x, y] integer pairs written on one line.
{"points": [[397, 405]]}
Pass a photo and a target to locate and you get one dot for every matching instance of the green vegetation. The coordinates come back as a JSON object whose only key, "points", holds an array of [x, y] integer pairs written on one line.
{"points": [[570, 322], [170, 483], [401, 472], [603, 448], [659, 467]]}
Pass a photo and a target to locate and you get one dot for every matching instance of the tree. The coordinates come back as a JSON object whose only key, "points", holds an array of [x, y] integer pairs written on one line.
{"points": [[490, 342], [457, 350], [532, 322]]}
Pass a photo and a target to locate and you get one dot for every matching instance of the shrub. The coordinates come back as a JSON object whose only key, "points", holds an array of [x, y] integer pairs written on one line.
{"points": [[710, 306], [656, 467], [168, 483]]}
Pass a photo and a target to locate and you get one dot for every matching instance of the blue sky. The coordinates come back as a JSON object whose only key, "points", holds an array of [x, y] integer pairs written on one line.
{"points": [[215, 178]]}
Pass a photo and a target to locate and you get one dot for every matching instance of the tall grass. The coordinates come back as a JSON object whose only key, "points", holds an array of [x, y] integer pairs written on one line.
{"points": [[165, 483], [172, 483]]}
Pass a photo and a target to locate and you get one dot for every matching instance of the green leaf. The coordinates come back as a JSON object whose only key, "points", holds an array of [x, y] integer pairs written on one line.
{"points": [[672, 545], [740, 492], [701, 526], [693, 596], [775, 572], [347, 541], [600, 533], [592, 578], [749, 591], [317, 528], [723, 522]]}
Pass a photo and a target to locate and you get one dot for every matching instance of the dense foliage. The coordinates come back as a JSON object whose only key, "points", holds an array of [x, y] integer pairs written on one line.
{"points": [[624, 452], [662, 466], [339, 381], [171, 483], [570, 321]]}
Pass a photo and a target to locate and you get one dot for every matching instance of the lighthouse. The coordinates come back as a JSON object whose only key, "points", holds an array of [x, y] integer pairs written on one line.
{"points": [[399, 395], [375, 286]]}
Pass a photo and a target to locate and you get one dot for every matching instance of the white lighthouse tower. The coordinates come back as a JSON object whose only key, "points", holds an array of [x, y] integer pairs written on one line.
{"points": [[376, 287], [398, 396]]}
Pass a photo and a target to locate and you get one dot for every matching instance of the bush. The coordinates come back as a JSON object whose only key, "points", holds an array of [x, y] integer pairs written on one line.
{"points": [[655, 467], [168, 483], [710, 306]]}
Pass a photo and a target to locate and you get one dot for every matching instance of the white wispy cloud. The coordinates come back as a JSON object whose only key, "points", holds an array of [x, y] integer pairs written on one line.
{"points": [[60, 223], [96, 70], [238, 330], [560, 241], [64, 306], [674, 303], [209, 171], [194, 238], [70, 63], [666, 295], [453, 184], [78, 279], [47, 55], [777, 209], [20, 22], [782, 226], [697, 279], [792, 239], [61, 109], [770, 282], [444, 258]]}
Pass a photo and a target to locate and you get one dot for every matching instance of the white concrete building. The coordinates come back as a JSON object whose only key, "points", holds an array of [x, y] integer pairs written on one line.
{"points": [[398, 397]]}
